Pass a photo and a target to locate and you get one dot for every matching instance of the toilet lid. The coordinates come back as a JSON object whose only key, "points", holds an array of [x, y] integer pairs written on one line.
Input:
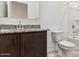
{"points": [[67, 43]]}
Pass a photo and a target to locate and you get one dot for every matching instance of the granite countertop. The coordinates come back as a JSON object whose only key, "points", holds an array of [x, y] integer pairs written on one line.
{"points": [[4, 31]]}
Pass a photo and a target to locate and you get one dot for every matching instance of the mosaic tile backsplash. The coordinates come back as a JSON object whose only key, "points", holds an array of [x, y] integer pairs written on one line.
{"points": [[23, 26]]}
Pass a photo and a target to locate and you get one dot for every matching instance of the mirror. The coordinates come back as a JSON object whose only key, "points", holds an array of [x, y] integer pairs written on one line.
{"points": [[17, 9], [20, 9]]}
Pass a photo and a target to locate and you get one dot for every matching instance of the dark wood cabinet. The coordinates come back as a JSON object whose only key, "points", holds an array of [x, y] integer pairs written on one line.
{"points": [[24, 44], [34, 44], [9, 45]]}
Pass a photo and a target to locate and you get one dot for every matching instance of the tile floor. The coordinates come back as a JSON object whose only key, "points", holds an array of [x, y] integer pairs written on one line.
{"points": [[73, 53]]}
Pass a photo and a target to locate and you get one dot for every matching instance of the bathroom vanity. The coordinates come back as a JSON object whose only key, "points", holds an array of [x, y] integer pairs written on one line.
{"points": [[27, 43]]}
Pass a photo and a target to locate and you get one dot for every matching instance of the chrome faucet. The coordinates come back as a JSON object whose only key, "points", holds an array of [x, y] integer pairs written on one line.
{"points": [[19, 25]]}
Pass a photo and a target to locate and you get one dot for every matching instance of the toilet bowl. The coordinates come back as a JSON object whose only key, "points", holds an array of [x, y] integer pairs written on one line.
{"points": [[67, 48], [64, 45], [67, 45]]}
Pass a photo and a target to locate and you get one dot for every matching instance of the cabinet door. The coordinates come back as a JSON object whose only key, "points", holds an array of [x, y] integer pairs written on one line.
{"points": [[9, 45], [34, 44]]}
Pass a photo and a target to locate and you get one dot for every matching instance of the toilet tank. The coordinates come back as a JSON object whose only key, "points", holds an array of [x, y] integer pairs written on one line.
{"points": [[57, 35]]}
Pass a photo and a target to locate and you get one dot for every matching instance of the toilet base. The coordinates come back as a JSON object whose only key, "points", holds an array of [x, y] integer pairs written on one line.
{"points": [[70, 53]]}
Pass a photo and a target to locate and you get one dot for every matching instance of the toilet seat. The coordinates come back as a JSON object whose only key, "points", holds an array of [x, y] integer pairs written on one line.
{"points": [[66, 44]]}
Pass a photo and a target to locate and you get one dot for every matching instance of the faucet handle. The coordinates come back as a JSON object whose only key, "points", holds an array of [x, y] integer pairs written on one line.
{"points": [[19, 25]]}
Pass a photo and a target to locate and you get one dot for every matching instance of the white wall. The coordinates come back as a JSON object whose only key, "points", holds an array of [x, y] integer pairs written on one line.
{"points": [[2, 9], [33, 9], [15, 21], [56, 15], [51, 16]]}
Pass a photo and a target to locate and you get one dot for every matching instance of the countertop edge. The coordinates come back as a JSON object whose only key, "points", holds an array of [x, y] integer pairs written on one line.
{"points": [[20, 31]]}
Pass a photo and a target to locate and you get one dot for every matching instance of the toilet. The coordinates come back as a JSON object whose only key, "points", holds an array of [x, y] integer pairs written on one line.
{"points": [[65, 45]]}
